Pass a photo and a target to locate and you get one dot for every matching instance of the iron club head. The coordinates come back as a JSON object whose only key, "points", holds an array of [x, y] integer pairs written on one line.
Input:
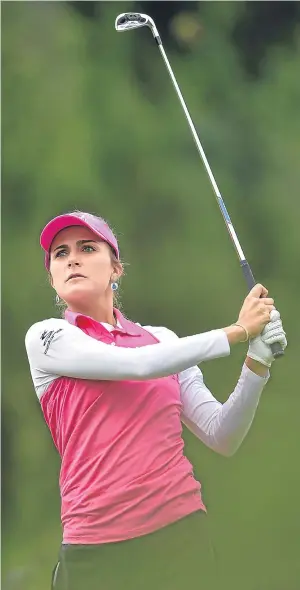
{"points": [[134, 20]]}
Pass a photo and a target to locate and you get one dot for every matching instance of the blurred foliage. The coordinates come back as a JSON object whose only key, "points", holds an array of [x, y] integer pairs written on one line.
{"points": [[91, 121]]}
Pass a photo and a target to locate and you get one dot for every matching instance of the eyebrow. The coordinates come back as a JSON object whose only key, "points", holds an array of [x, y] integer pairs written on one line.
{"points": [[79, 243]]}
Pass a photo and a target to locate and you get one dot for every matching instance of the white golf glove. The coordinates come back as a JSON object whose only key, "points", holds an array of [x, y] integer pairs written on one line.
{"points": [[259, 347]]}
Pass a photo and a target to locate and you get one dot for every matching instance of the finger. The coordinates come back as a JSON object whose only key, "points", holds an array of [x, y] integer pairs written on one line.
{"points": [[276, 338], [258, 291], [275, 315], [273, 328], [266, 314], [266, 310], [264, 292], [267, 300]]}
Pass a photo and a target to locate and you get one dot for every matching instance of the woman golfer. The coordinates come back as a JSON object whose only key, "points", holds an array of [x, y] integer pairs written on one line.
{"points": [[114, 395]]}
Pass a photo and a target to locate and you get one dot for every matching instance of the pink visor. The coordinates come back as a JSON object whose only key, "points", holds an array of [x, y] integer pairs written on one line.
{"points": [[95, 224]]}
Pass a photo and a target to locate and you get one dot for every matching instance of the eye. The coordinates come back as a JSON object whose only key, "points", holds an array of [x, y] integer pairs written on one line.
{"points": [[88, 248], [60, 252]]}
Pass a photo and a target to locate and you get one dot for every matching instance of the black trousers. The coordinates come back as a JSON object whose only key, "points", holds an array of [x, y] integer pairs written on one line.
{"points": [[168, 559]]}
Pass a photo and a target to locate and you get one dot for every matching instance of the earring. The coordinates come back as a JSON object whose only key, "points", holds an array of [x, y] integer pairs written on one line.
{"points": [[114, 286], [57, 299]]}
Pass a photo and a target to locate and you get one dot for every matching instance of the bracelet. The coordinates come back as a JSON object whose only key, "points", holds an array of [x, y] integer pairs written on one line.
{"points": [[245, 330]]}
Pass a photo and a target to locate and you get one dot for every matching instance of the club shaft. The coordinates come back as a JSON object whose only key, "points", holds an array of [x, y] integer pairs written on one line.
{"points": [[220, 201], [276, 347]]}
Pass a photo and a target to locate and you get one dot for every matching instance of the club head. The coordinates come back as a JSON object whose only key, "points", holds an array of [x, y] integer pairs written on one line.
{"points": [[133, 20]]}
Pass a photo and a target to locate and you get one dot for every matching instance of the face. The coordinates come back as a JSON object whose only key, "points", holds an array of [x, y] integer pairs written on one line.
{"points": [[78, 251]]}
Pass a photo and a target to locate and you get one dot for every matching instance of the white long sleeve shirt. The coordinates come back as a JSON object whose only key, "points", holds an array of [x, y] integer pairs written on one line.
{"points": [[56, 348]]}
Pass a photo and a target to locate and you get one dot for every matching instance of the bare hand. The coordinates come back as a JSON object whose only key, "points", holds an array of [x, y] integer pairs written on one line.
{"points": [[256, 309]]}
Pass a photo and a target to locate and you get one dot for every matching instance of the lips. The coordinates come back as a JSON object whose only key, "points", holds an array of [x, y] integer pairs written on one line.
{"points": [[75, 276]]}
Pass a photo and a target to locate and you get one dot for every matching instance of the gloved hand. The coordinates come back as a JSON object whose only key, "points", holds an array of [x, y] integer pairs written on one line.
{"points": [[259, 347]]}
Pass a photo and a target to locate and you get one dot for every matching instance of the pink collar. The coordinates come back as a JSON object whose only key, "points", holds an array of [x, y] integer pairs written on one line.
{"points": [[127, 327]]}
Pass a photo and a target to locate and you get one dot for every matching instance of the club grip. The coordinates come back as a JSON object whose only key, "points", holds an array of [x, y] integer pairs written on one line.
{"points": [[276, 347], [277, 350], [248, 274]]}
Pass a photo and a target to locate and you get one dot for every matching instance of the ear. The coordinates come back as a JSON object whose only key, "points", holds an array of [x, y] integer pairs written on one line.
{"points": [[50, 279], [118, 270]]}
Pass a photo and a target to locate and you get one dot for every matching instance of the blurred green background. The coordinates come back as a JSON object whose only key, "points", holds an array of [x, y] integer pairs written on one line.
{"points": [[90, 120]]}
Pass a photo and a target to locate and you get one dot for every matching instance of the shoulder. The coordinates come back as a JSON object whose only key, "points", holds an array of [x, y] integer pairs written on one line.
{"points": [[161, 333], [43, 332], [38, 329]]}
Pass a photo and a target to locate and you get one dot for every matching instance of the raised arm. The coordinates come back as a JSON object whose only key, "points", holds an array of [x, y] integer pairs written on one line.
{"points": [[55, 347]]}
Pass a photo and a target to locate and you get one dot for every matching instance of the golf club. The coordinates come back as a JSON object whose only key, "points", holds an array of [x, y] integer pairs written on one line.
{"points": [[130, 20]]}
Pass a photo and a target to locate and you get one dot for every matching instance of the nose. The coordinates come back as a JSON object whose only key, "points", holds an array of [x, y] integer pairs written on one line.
{"points": [[73, 263]]}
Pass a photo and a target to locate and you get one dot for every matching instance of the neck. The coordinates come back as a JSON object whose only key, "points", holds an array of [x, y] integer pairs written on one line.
{"points": [[101, 312]]}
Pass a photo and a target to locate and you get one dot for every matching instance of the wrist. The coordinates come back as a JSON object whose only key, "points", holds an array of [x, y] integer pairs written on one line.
{"points": [[235, 334], [257, 367]]}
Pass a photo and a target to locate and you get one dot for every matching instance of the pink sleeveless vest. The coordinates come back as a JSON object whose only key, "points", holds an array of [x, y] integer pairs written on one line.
{"points": [[123, 470]]}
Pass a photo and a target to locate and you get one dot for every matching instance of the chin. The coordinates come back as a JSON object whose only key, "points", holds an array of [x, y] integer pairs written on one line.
{"points": [[78, 293], [81, 293]]}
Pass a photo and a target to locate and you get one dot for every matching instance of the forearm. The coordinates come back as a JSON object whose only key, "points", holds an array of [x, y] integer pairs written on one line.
{"points": [[173, 357], [232, 421], [222, 427]]}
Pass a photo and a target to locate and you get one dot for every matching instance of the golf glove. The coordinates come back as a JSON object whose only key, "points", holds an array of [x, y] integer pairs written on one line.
{"points": [[259, 347]]}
